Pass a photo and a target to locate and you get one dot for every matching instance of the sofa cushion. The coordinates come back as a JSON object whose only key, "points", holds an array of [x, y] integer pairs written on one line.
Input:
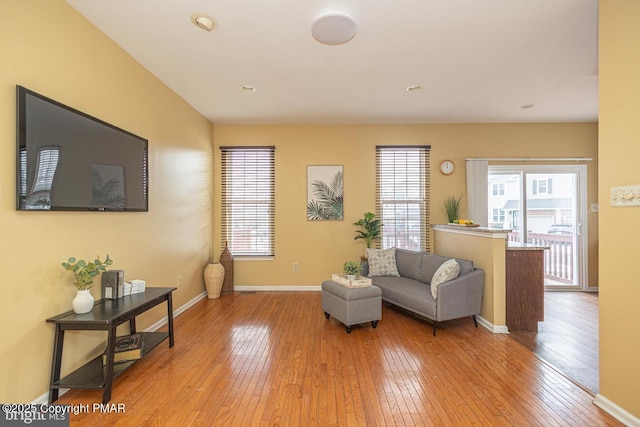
{"points": [[465, 266], [430, 263], [447, 271], [382, 262], [409, 263], [407, 293]]}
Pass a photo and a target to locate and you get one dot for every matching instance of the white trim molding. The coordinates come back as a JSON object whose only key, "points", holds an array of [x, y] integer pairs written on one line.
{"points": [[616, 412], [491, 327]]}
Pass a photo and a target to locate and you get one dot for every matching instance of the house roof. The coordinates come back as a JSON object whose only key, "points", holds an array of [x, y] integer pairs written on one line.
{"points": [[476, 61]]}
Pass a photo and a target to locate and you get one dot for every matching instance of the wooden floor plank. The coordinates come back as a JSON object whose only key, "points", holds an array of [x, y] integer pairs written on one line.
{"points": [[271, 358], [568, 337]]}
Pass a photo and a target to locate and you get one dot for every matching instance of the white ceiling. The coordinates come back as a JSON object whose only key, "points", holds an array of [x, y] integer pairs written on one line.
{"points": [[477, 60]]}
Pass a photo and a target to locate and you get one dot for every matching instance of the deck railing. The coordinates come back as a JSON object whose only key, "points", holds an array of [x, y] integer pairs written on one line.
{"points": [[558, 259]]}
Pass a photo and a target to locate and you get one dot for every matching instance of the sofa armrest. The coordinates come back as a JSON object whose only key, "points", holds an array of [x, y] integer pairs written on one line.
{"points": [[461, 296]]}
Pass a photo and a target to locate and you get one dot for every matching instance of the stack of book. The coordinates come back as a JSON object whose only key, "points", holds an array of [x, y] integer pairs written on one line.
{"points": [[128, 347]]}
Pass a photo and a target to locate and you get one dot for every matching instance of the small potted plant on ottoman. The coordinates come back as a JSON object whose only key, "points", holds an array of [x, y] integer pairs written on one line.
{"points": [[352, 268]]}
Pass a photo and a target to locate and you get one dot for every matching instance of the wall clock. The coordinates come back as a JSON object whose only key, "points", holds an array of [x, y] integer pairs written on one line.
{"points": [[447, 167]]}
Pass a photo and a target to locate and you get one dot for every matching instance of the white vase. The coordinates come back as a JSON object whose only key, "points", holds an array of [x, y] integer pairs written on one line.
{"points": [[83, 302], [351, 277]]}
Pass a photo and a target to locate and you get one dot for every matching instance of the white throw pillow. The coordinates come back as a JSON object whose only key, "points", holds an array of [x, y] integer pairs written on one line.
{"points": [[447, 271], [382, 262]]}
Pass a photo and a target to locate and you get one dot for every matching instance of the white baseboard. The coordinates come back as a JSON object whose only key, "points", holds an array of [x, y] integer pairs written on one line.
{"points": [[490, 326], [160, 323], [288, 288], [616, 412]]}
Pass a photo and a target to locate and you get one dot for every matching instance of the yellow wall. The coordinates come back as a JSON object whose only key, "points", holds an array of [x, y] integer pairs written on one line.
{"points": [[48, 47], [321, 247], [619, 150], [487, 252]]}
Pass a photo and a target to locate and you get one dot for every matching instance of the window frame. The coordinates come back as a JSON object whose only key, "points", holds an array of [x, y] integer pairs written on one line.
{"points": [[243, 168], [415, 171]]}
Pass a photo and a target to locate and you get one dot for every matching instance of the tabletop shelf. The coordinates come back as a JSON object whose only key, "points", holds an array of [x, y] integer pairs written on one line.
{"points": [[92, 374]]}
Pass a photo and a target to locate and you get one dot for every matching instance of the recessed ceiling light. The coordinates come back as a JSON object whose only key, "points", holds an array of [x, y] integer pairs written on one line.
{"points": [[414, 88], [203, 21], [527, 106], [333, 27], [247, 88]]}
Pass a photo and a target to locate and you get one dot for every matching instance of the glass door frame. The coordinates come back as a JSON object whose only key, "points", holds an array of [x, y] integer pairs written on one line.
{"points": [[581, 221]]}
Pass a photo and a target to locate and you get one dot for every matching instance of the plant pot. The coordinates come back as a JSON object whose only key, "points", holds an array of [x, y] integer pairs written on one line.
{"points": [[213, 278], [83, 302], [351, 277]]}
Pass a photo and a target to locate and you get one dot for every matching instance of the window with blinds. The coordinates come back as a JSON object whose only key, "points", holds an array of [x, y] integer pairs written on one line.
{"points": [[39, 196], [402, 196], [248, 200]]}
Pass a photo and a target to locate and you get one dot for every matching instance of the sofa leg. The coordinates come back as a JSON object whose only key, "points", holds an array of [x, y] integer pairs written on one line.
{"points": [[475, 320], [374, 324], [434, 328], [348, 329], [327, 315]]}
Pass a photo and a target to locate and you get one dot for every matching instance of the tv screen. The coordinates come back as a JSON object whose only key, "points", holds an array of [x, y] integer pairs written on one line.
{"points": [[68, 160]]}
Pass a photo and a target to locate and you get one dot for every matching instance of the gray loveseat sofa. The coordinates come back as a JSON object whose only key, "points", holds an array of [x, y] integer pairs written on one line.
{"points": [[456, 298]]}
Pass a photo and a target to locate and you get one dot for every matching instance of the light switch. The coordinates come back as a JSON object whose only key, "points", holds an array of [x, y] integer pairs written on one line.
{"points": [[625, 196]]}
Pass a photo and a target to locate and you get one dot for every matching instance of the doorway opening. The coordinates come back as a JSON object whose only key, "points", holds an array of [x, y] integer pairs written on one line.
{"points": [[545, 205]]}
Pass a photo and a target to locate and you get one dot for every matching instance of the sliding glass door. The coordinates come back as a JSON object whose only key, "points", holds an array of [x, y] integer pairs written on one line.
{"points": [[544, 205]]}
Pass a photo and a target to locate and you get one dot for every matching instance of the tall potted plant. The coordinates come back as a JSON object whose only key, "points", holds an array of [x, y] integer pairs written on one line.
{"points": [[83, 273], [452, 207], [370, 229]]}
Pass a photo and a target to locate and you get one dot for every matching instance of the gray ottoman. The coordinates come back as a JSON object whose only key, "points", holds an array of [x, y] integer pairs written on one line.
{"points": [[352, 306]]}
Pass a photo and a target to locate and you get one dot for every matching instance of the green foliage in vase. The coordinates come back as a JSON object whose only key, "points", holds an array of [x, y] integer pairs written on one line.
{"points": [[452, 207], [83, 272], [329, 201], [371, 229]]}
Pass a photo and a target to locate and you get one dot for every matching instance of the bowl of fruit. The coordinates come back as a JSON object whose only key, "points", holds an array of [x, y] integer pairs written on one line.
{"points": [[463, 223]]}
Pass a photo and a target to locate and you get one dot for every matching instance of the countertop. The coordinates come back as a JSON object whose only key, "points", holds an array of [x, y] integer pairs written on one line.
{"points": [[486, 230], [517, 246]]}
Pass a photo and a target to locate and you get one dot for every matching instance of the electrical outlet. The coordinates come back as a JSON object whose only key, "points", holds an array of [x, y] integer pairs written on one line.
{"points": [[179, 280], [296, 266], [595, 207]]}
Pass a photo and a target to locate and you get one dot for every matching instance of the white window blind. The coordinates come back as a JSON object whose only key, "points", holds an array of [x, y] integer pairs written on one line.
{"points": [[402, 196], [248, 200]]}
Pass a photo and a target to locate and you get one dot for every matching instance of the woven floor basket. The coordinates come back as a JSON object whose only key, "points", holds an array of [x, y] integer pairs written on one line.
{"points": [[226, 259]]}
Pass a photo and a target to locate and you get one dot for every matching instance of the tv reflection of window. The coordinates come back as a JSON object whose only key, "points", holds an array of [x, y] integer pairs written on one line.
{"points": [[47, 163]]}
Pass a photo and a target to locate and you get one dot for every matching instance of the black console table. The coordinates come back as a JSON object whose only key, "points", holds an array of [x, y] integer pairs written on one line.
{"points": [[107, 315]]}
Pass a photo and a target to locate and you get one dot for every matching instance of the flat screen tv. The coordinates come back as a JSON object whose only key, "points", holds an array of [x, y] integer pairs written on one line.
{"points": [[68, 160]]}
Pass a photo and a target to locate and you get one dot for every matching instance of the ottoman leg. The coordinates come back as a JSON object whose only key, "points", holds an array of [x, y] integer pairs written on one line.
{"points": [[374, 324], [327, 315], [348, 329]]}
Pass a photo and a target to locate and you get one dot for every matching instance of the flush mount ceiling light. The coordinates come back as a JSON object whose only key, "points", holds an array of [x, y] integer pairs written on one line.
{"points": [[527, 106], [247, 88], [414, 88], [203, 21], [333, 27]]}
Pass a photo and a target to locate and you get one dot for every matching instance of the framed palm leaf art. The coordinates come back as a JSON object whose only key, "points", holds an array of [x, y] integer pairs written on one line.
{"points": [[325, 193]]}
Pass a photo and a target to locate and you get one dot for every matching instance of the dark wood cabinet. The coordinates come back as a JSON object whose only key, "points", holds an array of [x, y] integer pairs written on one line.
{"points": [[525, 289]]}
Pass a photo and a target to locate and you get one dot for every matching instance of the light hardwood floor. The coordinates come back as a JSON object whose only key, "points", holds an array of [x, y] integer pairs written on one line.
{"points": [[273, 359]]}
